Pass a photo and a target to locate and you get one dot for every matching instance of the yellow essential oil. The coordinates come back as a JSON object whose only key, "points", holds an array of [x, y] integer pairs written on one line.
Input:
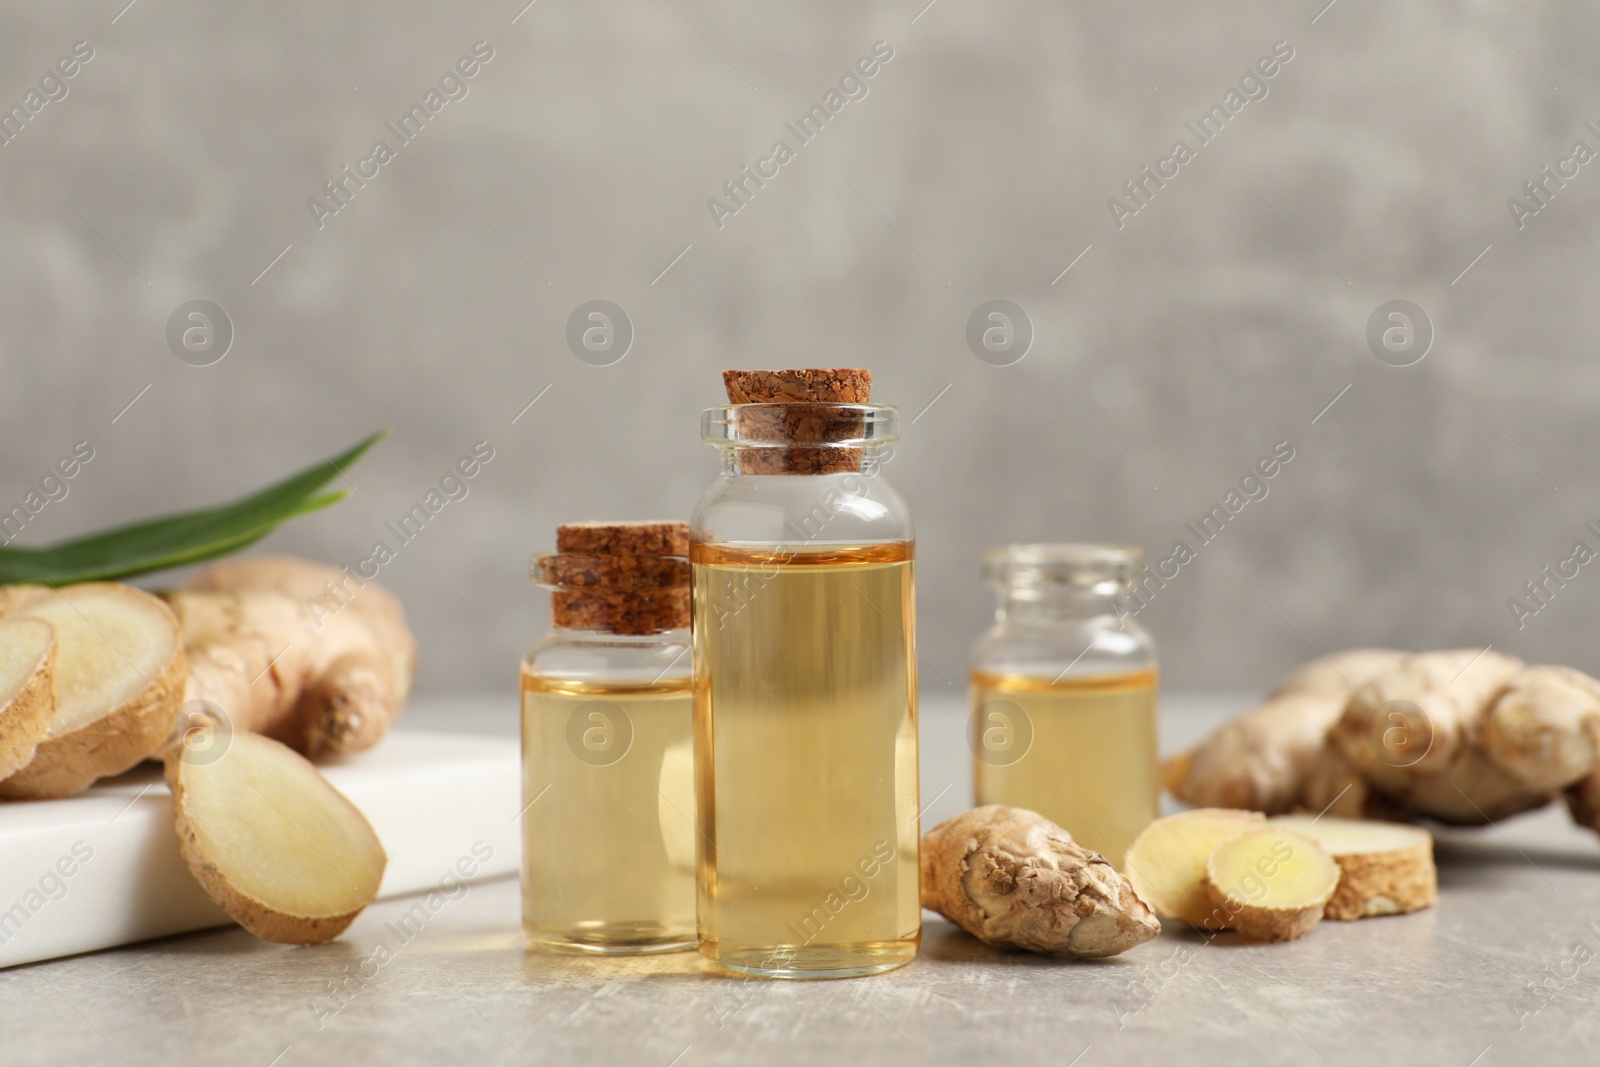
{"points": [[1081, 751], [806, 758], [608, 831]]}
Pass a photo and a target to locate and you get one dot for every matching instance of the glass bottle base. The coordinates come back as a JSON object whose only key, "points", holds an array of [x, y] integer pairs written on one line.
{"points": [[609, 939], [855, 960]]}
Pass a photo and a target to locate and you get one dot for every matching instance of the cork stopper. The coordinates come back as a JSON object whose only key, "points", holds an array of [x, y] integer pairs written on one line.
{"points": [[623, 577], [793, 418], [623, 538]]}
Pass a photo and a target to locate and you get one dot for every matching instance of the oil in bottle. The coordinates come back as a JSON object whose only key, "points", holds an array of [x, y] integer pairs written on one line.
{"points": [[806, 740]]}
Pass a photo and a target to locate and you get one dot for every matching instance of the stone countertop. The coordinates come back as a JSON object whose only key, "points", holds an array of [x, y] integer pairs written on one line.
{"points": [[1505, 970]]}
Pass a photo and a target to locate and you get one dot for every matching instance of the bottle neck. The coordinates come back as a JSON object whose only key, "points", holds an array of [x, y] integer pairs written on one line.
{"points": [[579, 635], [865, 462], [1048, 604]]}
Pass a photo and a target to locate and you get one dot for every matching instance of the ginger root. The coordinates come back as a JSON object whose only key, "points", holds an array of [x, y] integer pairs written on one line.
{"points": [[92, 677], [1269, 884], [1167, 862], [1262, 759], [27, 689], [119, 673], [1463, 737], [1010, 877], [287, 650], [1385, 868], [277, 847]]}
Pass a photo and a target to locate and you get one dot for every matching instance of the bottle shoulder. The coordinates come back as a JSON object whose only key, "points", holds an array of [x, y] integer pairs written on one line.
{"points": [[1098, 645], [599, 657], [842, 508]]}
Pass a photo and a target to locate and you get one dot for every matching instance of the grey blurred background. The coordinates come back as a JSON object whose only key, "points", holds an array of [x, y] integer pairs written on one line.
{"points": [[1221, 319]]}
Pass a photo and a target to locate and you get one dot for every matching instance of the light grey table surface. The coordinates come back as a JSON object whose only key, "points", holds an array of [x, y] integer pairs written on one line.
{"points": [[1519, 911]]}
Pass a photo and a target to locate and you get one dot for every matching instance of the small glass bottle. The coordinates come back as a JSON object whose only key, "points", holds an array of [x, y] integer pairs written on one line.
{"points": [[607, 745], [805, 693], [1064, 694]]}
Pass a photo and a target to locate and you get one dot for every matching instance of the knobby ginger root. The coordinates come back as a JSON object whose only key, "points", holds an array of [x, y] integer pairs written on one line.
{"points": [[1010, 877], [1166, 863], [119, 675], [1420, 720], [288, 649], [27, 689], [1385, 868], [271, 841], [1262, 758], [1269, 884], [1543, 727], [1463, 737]]}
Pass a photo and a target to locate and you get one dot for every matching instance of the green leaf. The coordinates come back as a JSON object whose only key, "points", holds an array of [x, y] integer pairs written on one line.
{"points": [[185, 537]]}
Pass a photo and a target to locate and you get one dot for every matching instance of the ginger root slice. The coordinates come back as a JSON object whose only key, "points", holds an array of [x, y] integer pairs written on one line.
{"points": [[1166, 863], [286, 855], [27, 689], [1385, 868], [119, 677], [1010, 877], [303, 653], [1269, 884]]}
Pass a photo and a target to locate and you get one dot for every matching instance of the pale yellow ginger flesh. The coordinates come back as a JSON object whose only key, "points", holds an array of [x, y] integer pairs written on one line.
{"points": [[1385, 868], [119, 676], [1010, 877], [272, 842], [1269, 884], [27, 689], [1167, 862]]}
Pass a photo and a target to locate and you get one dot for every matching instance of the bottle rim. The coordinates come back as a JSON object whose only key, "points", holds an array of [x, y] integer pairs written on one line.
{"points": [[1085, 567], [808, 425]]}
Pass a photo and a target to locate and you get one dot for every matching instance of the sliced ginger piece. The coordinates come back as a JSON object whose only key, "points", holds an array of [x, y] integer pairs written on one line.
{"points": [[1167, 862], [278, 848], [119, 677], [1386, 868], [1270, 884], [27, 689]]}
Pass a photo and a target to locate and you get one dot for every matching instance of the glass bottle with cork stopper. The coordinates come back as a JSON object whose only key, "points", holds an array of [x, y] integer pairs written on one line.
{"points": [[1064, 694], [805, 683], [607, 727]]}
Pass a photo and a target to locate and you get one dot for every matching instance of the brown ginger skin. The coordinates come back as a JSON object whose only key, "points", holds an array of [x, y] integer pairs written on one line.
{"points": [[1263, 759], [1012, 878], [295, 651], [1461, 736]]}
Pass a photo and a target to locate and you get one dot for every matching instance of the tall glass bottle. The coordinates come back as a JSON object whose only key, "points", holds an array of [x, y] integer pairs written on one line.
{"points": [[1064, 694], [805, 690], [607, 727]]}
